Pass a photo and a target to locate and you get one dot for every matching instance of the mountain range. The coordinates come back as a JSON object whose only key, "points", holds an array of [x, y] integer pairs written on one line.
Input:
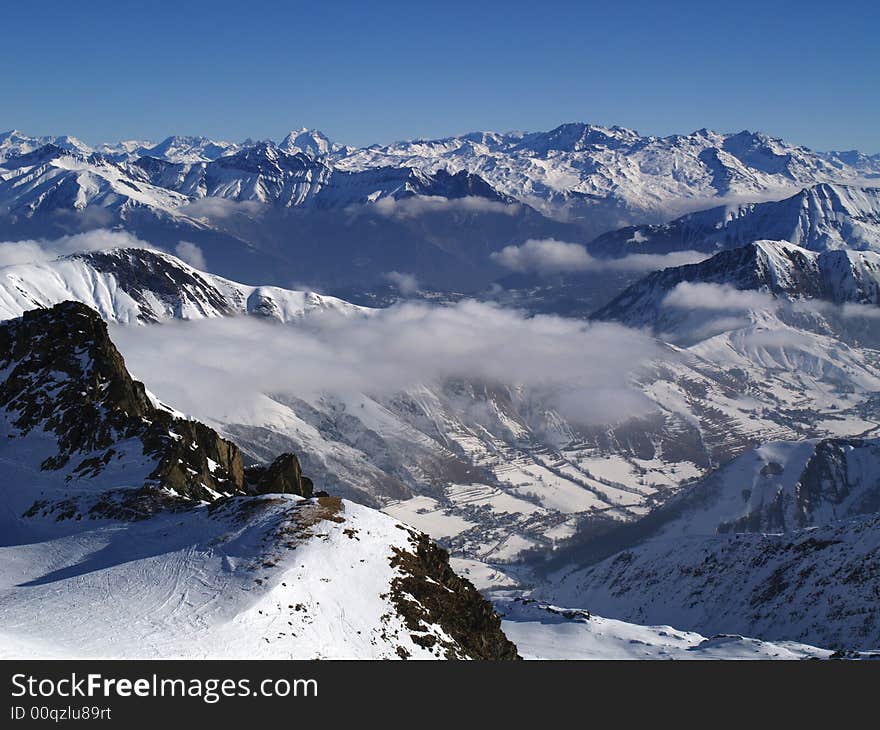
{"points": [[574, 167], [608, 373], [436, 209]]}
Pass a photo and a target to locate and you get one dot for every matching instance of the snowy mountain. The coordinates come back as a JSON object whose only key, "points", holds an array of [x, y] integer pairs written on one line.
{"points": [[188, 149], [778, 269], [818, 218], [779, 543], [613, 175], [777, 487], [311, 142], [287, 177], [603, 177], [813, 586], [104, 487], [141, 285], [15, 143], [436, 210], [51, 180]]}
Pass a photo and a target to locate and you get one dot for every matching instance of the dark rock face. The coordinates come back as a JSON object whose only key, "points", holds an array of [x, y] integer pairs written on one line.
{"points": [[65, 376], [831, 476], [282, 476], [429, 592], [139, 271]]}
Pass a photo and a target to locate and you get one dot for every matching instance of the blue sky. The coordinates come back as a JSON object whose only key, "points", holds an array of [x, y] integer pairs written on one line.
{"points": [[368, 72]]}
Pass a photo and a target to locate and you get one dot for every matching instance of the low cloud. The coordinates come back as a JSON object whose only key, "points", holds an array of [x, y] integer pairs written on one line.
{"points": [[546, 256], [781, 338], [221, 369], [726, 298], [549, 256], [33, 251], [405, 283], [646, 262], [419, 205], [214, 208], [191, 254], [860, 311], [731, 309], [717, 297]]}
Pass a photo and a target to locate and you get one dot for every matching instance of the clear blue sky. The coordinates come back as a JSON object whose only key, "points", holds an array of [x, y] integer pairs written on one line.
{"points": [[377, 71]]}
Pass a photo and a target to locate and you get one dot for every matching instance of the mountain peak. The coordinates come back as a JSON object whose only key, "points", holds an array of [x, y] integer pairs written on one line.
{"points": [[311, 142]]}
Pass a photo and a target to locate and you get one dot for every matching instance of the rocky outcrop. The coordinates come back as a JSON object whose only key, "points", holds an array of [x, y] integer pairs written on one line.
{"points": [[282, 476], [63, 375], [428, 592]]}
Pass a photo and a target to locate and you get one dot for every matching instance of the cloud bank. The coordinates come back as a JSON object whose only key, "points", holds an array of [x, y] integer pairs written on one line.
{"points": [[419, 205], [33, 251], [726, 298], [718, 298], [191, 254], [405, 283], [220, 369], [549, 256], [214, 208]]}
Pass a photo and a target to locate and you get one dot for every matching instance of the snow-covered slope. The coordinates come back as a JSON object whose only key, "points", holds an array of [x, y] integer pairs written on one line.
{"points": [[130, 532], [781, 543], [142, 285], [817, 586], [53, 179], [819, 218], [545, 631], [274, 577], [778, 487]]}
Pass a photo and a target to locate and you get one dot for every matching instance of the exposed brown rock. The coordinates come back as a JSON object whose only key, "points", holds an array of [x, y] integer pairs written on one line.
{"points": [[68, 378], [429, 592], [282, 476]]}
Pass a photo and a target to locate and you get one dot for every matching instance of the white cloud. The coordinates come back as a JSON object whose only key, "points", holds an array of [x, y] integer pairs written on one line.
{"points": [[728, 299], [866, 311], [215, 369], [405, 283], [717, 297], [646, 262], [418, 205], [549, 256], [31, 251], [191, 254], [217, 208], [546, 256]]}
